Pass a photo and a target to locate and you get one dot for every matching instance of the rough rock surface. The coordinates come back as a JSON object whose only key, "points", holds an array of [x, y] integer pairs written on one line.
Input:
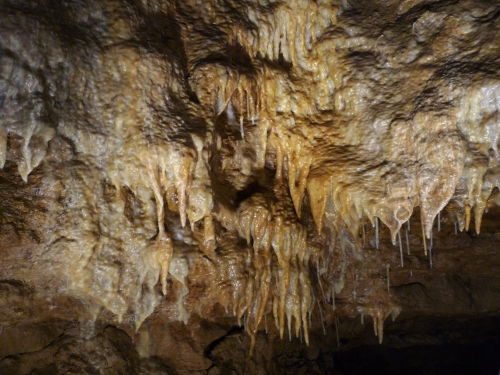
{"points": [[232, 187]]}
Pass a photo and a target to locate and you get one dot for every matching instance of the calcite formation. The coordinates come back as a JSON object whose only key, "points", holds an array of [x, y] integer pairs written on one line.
{"points": [[240, 159]]}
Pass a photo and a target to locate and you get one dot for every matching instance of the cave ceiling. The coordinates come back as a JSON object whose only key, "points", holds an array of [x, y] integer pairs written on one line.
{"points": [[279, 165]]}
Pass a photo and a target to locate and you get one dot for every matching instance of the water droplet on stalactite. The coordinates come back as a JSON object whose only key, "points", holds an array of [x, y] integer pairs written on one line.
{"points": [[376, 232]]}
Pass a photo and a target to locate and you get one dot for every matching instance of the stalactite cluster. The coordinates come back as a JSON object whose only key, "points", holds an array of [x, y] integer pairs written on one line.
{"points": [[246, 153]]}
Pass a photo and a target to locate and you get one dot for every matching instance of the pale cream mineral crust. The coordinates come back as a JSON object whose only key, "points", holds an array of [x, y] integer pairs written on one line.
{"points": [[249, 148]]}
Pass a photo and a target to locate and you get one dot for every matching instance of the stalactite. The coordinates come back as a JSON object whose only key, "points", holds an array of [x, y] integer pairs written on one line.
{"points": [[273, 133], [407, 243], [322, 319], [388, 280], [400, 248], [424, 239]]}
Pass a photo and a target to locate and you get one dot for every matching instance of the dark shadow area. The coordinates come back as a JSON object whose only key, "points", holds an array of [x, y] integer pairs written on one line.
{"points": [[452, 359]]}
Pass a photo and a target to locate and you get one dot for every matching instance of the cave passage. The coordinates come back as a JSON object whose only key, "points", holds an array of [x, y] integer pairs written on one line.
{"points": [[249, 187]]}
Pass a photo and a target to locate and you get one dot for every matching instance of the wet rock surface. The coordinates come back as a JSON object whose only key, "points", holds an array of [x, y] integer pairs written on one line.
{"points": [[229, 187]]}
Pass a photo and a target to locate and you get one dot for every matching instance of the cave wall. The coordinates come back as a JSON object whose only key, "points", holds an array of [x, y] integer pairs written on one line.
{"points": [[182, 179]]}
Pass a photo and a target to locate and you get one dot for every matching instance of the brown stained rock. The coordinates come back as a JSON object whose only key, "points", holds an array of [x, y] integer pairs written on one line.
{"points": [[109, 352], [182, 347], [183, 182], [26, 338]]}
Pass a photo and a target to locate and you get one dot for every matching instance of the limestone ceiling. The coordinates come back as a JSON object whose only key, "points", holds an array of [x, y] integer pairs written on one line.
{"points": [[246, 159]]}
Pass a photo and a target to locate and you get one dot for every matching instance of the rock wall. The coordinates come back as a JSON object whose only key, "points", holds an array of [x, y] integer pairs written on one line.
{"points": [[173, 170]]}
